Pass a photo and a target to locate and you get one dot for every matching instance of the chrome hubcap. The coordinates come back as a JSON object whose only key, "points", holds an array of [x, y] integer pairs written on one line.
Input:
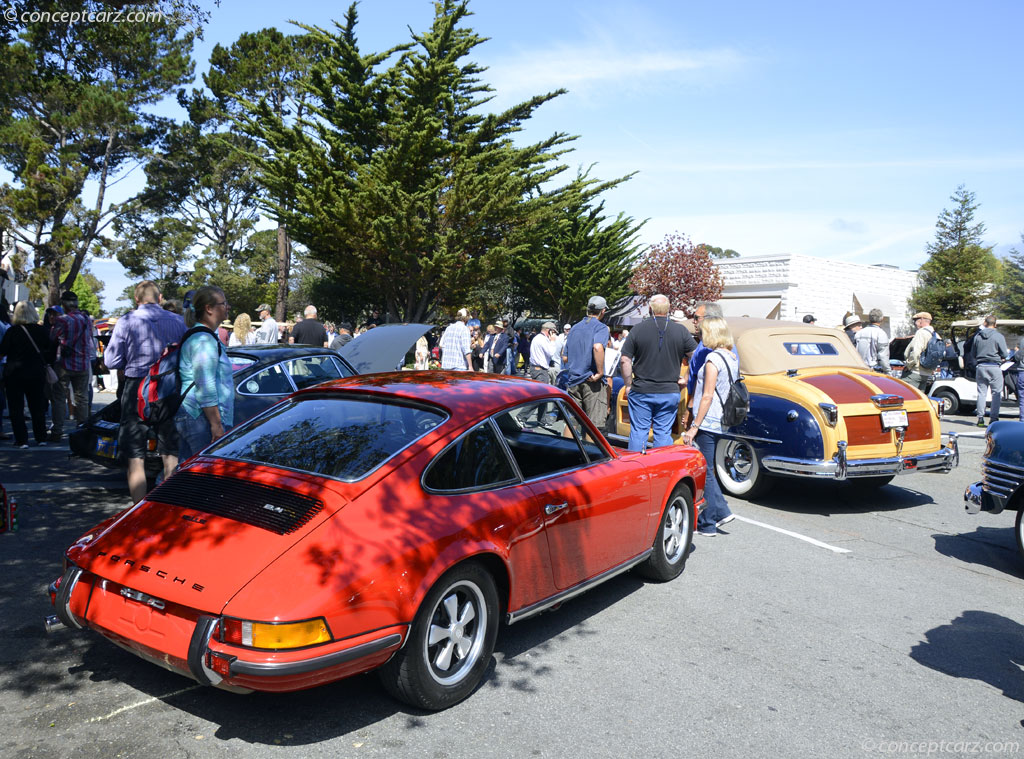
{"points": [[455, 635], [674, 532], [738, 461]]}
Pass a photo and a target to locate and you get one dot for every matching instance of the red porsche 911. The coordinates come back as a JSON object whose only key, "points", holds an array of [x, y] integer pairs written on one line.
{"points": [[385, 521]]}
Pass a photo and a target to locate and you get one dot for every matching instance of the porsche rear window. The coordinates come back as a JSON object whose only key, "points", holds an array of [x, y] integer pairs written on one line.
{"points": [[346, 438]]}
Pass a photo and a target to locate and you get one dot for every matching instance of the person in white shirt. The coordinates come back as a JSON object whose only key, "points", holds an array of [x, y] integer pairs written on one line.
{"points": [[873, 344], [542, 352], [267, 334]]}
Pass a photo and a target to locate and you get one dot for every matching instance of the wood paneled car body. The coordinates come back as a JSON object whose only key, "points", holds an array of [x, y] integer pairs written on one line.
{"points": [[388, 520], [817, 411]]}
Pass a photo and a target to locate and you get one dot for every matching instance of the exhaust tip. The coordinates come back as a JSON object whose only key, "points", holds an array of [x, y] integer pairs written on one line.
{"points": [[52, 623]]}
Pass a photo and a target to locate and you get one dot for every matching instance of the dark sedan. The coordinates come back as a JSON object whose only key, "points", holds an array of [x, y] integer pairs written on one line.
{"points": [[1001, 487], [264, 375]]}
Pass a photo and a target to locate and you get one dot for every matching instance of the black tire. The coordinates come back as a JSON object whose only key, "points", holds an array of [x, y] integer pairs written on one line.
{"points": [[1019, 532], [739, 469], [950, 400], [438, 675], [673, 538]]}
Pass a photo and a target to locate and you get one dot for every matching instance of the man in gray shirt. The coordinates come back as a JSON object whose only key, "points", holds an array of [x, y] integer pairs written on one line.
{"points": [[989, 351], [267, 333]]}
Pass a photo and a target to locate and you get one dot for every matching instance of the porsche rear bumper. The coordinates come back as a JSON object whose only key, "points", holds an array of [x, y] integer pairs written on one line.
{"points": [[840, 467]]}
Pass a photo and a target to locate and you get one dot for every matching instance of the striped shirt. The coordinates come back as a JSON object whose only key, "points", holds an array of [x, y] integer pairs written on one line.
{"points": [[454, 346], [140, 336], [204, 362], [73, 334]]}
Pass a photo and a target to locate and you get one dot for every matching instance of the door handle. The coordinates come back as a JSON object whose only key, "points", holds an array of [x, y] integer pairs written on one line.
{"points": [[551, 508]]}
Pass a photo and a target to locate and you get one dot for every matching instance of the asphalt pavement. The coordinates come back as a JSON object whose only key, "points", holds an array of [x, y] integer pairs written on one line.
{"points": [[826, 623]]}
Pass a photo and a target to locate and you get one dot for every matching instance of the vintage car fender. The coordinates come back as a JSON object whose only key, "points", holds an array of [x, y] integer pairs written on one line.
{"points": [[1002, 467]]}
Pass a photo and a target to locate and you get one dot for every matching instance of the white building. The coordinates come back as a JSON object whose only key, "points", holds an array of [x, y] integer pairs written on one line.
{"points": [[790, 286]]}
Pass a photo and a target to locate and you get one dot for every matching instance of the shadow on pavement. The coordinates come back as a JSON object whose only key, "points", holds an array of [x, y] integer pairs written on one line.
{"points": [[825, 498], [977, 645], [992, 547]]}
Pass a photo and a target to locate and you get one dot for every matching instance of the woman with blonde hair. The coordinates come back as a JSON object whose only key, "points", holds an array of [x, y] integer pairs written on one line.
{"points": [[28, 350], [242, 333], [712, 388]]}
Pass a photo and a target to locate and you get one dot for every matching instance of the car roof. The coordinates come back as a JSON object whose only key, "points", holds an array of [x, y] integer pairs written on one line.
{"points": [[465, 395], [278, 352], [759, 343]]}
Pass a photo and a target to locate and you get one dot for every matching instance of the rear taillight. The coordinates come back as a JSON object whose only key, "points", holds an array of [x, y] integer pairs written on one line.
{"points": [[274, 635]]}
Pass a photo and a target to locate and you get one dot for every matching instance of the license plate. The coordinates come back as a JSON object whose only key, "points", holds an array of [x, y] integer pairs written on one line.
{"points": [[892, 419], [106, 447], [909, 464]]}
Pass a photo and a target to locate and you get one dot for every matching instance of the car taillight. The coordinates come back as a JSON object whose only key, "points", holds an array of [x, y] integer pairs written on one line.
{"points": [[274, 635], [831, 412]]}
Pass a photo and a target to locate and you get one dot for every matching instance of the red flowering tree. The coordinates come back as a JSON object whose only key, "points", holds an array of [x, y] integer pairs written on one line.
{"points": [[684, 272]]}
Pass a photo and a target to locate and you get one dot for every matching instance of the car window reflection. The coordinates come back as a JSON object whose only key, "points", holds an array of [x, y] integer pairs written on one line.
{"points": [[540, 439]]}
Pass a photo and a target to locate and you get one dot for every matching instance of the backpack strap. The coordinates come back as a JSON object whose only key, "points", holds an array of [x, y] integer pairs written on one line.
{"points": [[728, 372]]}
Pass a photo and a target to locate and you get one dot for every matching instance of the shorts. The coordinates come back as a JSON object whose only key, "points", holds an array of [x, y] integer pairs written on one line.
{"points": [[133, 437]]}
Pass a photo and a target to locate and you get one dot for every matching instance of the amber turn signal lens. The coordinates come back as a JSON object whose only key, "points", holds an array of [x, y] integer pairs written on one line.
{"points": [[276, 636]]}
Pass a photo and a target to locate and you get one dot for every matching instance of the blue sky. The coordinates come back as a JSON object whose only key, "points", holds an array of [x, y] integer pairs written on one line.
{"points": [[825, 129]]}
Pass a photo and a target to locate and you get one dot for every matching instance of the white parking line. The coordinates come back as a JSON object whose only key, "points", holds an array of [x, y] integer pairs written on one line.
{"points": [[149, 700], [796, 535]]}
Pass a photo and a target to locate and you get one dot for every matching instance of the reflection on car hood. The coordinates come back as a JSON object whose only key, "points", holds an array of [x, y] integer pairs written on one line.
{"points": [[383, 348]]}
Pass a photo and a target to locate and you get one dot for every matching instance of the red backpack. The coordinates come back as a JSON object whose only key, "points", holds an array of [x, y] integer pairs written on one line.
{"points": [[160, 394]]}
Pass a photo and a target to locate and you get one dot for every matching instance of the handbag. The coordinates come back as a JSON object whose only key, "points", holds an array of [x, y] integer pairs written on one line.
{"points": [[51, 375]]}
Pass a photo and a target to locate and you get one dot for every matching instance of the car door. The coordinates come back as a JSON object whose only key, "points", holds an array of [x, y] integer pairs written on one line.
{"points": [[474, 476], [594, 505]]}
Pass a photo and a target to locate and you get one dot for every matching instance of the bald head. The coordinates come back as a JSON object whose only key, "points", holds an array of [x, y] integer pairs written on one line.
{"points": [[659, 305], [310, 312]]}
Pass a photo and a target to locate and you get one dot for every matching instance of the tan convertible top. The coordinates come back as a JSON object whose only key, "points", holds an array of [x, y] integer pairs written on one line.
{"points": [[760, 344]]}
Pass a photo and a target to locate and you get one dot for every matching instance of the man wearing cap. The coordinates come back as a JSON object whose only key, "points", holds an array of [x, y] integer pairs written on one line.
{"points": [[652, 358], [456, 348], [989, 351], [72, 333], [873, 344], [809, 319], [499, 348], [343, 338], [852, 324], [913, 373], [584, 360], [542, 353], [267, 333]]}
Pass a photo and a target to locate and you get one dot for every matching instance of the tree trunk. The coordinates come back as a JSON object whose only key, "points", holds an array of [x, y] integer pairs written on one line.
{"points": [[284, 250]]}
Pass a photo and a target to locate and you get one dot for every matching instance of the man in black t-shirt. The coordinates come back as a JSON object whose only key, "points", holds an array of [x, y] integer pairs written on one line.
{"points": [[309, 331], [652, 360]]}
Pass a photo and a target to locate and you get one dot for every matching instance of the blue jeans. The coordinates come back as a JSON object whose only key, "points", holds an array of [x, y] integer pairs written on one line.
{"points": [[193, 434], [715, 507], [651, 410]]}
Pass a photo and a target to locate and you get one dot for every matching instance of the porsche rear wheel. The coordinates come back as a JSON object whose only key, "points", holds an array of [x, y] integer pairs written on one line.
{"points": [[739, 470], [450, 643], [673, 538]]}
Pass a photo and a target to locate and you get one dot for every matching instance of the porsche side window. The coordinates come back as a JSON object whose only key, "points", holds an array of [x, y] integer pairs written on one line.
{"points": [[476, 460], [811, 349], [343, 368], [270, 381], [593, 449], [540, 439], [312, 370]]}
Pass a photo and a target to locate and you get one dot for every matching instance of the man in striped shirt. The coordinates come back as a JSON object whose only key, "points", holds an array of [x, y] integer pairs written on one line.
{"points": [[138, 339], [456, 351], [72, 333]]}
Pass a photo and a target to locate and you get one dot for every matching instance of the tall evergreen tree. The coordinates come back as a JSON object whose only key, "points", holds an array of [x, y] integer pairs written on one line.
{"points": [[1010, 300], [73, 101], [579, 253], [399, 182], [956, 281]]}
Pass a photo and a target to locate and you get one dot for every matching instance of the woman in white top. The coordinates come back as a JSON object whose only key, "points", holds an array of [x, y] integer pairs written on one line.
{"points": [[712, 387], [242, 333]]}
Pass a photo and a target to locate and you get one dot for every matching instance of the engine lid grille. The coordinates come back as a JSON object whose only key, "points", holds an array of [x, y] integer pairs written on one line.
{"points": [[263, 506]]}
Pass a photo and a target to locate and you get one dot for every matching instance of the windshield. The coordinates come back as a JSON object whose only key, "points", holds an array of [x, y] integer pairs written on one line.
{"points": [[340, 437]]}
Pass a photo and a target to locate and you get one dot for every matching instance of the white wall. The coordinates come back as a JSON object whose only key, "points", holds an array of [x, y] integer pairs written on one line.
{"points": [[819, 286]]}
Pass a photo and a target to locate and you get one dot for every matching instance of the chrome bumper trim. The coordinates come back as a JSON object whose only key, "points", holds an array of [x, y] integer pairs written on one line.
{"points": [[840, 467], [286, 669], [975, 501]]}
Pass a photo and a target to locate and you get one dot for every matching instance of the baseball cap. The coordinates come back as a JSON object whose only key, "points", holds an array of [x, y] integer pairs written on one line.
{"points": [[596, 301], [809, 319], [923, 315], [68, 297], [263, 307], [567, 327]]}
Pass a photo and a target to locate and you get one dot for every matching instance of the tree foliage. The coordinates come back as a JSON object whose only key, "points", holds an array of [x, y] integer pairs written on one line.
{"points": [[679, 269], [578, 253], [73, 101], [956, 282], [1010, 300], [715, 252], [398, 180]]}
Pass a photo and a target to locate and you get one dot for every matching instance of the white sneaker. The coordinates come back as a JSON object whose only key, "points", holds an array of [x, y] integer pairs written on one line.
{"points": [[725, 520]]}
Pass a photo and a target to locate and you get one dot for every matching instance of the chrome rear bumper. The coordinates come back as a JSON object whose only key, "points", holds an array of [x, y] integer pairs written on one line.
{"points": [[839, 467]]}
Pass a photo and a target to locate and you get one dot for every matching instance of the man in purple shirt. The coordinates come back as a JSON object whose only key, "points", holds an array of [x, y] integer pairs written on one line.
{"points": [[138, 339], [72, 333]]}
